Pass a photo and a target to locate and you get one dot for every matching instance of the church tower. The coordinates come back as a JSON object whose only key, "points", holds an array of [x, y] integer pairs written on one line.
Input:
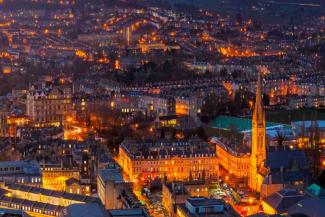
{"points": [[258, 148]]}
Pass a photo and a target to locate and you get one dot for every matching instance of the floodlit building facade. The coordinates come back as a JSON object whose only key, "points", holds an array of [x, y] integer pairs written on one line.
{"points": [[49, 105], [54, 177], [171, 160]]}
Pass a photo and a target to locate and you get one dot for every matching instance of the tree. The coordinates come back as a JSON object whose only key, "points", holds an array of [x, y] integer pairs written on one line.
{"points": [[322, 63], [201, 133], [266, 99], [162, 133], [322, 179], [241, 101], [4, 43], [174, 133], [211, 107], [239, 19], [280, 139], [235, 137], [223, 72]]}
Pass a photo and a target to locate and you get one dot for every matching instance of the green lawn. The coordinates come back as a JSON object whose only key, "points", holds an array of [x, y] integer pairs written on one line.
{"points": [[279, 116]]}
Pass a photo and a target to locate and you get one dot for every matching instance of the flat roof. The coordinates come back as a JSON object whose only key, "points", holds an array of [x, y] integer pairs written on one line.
{"points": [[241, 124], [202, 201], [227, 213], [128, 213], [110, 175], [85, 210]]}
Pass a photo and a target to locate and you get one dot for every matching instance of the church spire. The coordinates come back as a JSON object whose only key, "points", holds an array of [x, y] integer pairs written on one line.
{"points": [[258, 87], [258, 114], [258, 148]]}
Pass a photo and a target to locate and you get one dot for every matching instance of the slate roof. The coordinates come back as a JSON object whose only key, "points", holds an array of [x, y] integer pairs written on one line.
{"points": [[286, 177], [313, 207], [13, 212], [282, 200], [71, 181], [110, 175], [128, 212], [85, 210], [285, 158], [202, 201], [12, 202], [43, 191]]}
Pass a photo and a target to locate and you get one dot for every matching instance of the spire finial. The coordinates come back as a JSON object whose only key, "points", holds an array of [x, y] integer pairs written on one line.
{"points": [[258, 87]]}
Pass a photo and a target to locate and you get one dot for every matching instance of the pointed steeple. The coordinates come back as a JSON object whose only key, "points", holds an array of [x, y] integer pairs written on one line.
{"points": [[258, 115], [258, 87], [258, 148]]}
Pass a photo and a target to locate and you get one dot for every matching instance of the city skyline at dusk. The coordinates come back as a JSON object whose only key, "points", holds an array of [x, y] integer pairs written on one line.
{"points": [[162, 108]]}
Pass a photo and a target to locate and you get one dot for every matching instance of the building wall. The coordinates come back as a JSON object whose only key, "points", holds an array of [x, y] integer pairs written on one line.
{"points": [[51, 108], [157, 105], [169, 200], [101, 190], [33, 214], [48, 110], [269, 189], [188, 105], [198, 190], [77, 188], [42, 198], [268, 209], [126, 163], [181, 213], [3, 124], [173, 168], [189, 190], [238, 165], [55, 179], [109, 192]]}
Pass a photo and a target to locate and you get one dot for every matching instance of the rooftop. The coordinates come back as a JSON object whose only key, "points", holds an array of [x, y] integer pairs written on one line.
{"points": [[110, 175], [284, 199], [203, 201], [43, 191], [8, 212], [13, 202], [240, 124], [316, 190], [226, 213], [153, 149], [85, 210], [309, 207], [128, 213], [286, 159]]}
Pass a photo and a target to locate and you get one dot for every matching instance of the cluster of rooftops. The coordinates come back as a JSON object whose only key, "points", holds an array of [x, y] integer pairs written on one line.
{"points": [[166, 149], [30, 206], [52, 193]]}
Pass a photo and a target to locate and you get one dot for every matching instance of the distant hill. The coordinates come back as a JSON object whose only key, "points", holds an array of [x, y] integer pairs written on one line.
{"points": [[273, 10], [280, 11]]}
